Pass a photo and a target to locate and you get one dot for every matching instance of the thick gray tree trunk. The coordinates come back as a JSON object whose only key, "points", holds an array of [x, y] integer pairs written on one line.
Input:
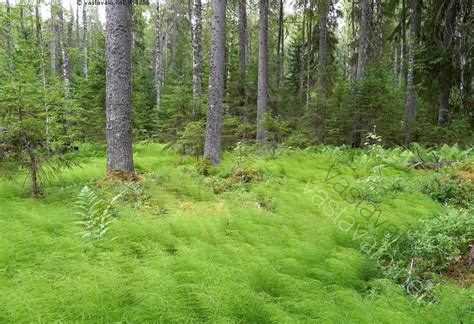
{"points": [[410, 94], [243, 45], [118, 46], [9, 40], [158, 56], [357, 140], [320, 69], [197, 56], [212, 146], [85, 62], [262, 90]]}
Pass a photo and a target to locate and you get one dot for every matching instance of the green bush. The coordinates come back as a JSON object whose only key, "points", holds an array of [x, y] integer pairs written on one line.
{"points": [[450, 189], [418, 258]]}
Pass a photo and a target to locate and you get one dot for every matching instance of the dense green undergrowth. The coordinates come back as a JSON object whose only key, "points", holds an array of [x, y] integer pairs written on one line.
{"points": [[257, 239]]}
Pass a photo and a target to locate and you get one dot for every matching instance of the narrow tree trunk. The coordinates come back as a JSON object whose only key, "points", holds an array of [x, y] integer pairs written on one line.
{"points": [[174, 35], [280, 46], [78, 29], [262, 90], [53, 38], [65, 65], [35, 189], [9, 40], [410, 94], [308, 59], [320, 71], [443, 105], [158, 56], [446, 71], [230, 46], [85, 62], [118, 45], [302, 52], [402, 43], [212, 147], [196, 28], [39, 44], [357, 140], [22, 25], [243, 44]]}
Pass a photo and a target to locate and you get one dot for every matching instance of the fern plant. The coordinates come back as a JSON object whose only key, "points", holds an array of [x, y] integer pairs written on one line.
{"points": [[96, 216]]}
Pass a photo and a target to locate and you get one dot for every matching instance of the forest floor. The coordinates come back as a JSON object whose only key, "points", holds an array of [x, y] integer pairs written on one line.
{"points": [[273, 242]]}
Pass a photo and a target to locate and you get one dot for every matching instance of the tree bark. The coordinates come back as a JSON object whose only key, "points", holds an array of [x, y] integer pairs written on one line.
{"points": [[39, 44], [320, 70], [118, 44], [308, 58], [446, 71], [78, 29], [280, 46], [262, 90], [85, 63], [9, 40], [410, 94], [158, 56], [212, 147], [357, 140], [65, 64], [53, 38], [197, 28], [243, 44], [302, 52]]}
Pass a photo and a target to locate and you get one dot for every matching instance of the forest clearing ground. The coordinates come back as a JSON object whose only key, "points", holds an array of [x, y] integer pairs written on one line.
{"points": [[257, 252]]}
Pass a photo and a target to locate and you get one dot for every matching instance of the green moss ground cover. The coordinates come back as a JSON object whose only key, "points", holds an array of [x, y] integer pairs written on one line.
{"points": [[260, 252]]}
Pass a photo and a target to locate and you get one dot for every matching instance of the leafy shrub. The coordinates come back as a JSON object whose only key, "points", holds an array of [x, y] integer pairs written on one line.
{"points": [[450, 189], [417, 258], [96, 216]]}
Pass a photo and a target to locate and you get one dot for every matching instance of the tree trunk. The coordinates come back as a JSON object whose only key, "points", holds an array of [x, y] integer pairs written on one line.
{"points": [[302, 52], [78, 28], [280, 46], [39, 43], [196, 28], [262, 90], [443, 105], [320, 71], [174, 35], [212, 147], [308, 58], [410, 94], [158, 56], [357, 140], [53, 38], [35, 189], [230, 45], [446, 71], [65, 65], [85, 63], [118, 45], [243, 44], [9, 40]]}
